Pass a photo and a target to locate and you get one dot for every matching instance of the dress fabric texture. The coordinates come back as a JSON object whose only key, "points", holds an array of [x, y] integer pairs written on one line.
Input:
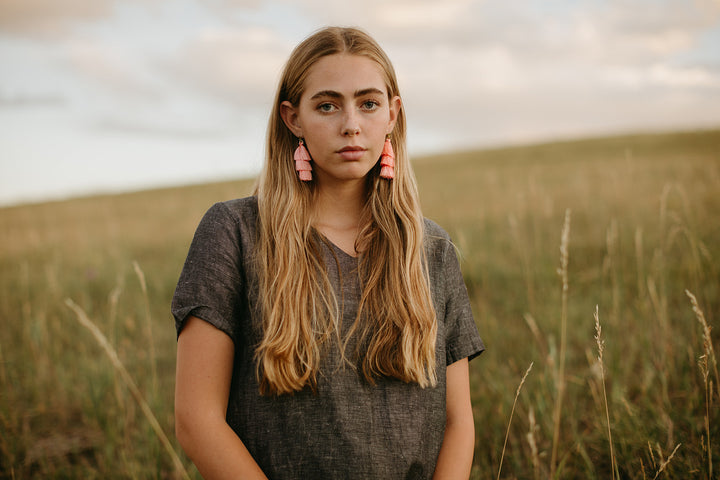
{"points": [[348, 428]]}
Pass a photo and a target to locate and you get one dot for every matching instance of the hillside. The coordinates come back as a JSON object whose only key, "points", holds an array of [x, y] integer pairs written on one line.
{"points": [[641, 214]]}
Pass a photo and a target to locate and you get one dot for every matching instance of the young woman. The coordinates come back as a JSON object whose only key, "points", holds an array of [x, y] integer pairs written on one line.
{"points": [[324, 329]]}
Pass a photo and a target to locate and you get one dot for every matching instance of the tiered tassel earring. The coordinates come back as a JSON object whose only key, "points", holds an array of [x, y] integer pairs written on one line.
{"points": [[302, 162], [387, 160]]}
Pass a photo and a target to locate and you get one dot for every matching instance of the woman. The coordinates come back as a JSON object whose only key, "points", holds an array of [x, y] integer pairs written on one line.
{"points": [[324, 329]]}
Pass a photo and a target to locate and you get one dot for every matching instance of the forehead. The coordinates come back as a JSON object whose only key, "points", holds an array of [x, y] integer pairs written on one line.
{"points": [[344, 73]]}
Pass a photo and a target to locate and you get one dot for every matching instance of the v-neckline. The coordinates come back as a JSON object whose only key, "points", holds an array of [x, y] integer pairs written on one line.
{"points": [[335, 247]]}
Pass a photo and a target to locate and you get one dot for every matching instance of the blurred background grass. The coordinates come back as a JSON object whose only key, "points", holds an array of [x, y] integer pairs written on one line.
{"points": [[644, 227]]}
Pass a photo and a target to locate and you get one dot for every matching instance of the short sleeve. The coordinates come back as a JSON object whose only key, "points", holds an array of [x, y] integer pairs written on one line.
{"points": [[462, 339], [211, 284]]}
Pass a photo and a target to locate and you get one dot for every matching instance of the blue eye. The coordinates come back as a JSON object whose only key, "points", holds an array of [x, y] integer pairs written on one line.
{"points": [[370, 105], [326, 107]]}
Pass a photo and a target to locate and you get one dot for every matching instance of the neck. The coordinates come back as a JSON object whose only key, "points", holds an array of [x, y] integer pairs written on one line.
{"points": [[337, 211], [339, 205]]}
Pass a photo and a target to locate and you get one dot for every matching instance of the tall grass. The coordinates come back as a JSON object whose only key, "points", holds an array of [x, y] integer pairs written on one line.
{"points": [[601, 364], [560, 378], [512, 412], [130, 383], [644, 230], [706, 362]]}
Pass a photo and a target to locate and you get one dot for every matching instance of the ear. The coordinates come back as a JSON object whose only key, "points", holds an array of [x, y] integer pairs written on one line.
{"points": [[289, 114], [395, 107]]}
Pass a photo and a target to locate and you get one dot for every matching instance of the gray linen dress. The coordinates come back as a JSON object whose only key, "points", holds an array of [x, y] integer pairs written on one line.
{"points": [[347, 429]]}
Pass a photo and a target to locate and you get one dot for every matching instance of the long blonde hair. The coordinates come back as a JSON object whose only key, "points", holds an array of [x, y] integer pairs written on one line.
{"points": [[395, 324]]}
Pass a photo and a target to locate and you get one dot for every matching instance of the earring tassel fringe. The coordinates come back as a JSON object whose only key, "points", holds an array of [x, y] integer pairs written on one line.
{"points": [[302, 162], [387, 161]]}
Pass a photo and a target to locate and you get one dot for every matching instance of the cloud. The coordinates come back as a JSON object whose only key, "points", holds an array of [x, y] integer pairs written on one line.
{"points": [[663, 75], [231, 4], [136, 78], [166, 129], [424, 16], [623, 31], [460, 62], [115, 70], [31, 100], [628, 34], [237, 65], [49, 17]]}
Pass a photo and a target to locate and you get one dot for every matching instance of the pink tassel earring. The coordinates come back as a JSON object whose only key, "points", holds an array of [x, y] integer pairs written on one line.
{"points": [[302, 162], [387, 160]]}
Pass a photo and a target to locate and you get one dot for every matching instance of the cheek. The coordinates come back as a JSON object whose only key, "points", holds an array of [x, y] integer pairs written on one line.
{"points": [[316, 128], [318, 142], [375, 150]]}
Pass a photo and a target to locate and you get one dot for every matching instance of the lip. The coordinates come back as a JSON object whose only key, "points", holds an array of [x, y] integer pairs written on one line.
{"points": [[351, 152]]}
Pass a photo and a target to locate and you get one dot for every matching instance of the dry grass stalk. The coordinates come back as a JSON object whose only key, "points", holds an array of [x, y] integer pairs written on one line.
{"points": [[640, 261], [706, 361], [652, 454], [132, 386], [658, 304], [532, 324], [611, 240], [113, 299], [525, 259], [707, 339], [148, 323], [563, 272], [3, 373], [512, 411], [532, 441], [665, 463], [601, 350]]}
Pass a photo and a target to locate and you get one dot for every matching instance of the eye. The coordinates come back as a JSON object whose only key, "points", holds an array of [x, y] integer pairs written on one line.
{"points": [[370, 105], [326, 108]]}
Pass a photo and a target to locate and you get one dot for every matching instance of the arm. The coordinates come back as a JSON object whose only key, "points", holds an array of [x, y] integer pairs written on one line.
{"points": [[203, 376], [456, 453]]}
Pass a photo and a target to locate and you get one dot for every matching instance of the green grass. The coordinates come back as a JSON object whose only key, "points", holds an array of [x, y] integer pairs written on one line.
{"points": [[644, 227]]}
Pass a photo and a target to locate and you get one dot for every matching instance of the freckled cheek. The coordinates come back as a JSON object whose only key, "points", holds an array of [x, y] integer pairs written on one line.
{"points": [[318, 135], [322, 125]]}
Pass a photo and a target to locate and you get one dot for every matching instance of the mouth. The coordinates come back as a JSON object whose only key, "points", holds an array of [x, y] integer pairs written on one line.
{"points": [[351, 149], [351, 153]]}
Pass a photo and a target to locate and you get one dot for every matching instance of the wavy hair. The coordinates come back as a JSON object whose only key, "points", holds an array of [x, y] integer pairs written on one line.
{"points": [[395, 325]]}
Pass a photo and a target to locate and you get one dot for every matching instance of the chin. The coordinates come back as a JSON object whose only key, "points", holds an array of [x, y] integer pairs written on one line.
{"points": [[349, 173]]}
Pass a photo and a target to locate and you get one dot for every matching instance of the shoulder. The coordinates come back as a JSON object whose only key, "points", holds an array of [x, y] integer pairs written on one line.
{"points": [[239, 207], [433, 230], [437, 241], [243, 212], [231, 220]]}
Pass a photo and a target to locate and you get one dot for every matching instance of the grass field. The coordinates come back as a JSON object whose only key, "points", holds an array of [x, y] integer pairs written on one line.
{"points": [[635, 218]]}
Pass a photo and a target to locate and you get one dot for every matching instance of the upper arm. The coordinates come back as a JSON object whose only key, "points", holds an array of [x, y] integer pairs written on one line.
{"points": [[458, 405], [456, 453], [203, 372]]}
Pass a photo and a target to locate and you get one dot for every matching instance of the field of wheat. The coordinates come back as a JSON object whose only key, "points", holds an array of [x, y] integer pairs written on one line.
{"points": [[592, 267]]}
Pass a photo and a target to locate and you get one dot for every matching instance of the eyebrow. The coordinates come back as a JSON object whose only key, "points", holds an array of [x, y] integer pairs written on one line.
{"points": [[358, 93]]}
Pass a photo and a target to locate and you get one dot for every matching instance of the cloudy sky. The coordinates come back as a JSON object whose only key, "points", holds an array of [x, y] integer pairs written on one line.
{"points": [[108, 95]]}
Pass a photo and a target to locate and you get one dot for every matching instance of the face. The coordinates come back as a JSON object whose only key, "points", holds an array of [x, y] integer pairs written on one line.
{"points": [[344, 115]]}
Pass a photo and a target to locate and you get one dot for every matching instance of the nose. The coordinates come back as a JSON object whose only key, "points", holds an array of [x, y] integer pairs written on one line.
{"points": [[351, 125]]}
